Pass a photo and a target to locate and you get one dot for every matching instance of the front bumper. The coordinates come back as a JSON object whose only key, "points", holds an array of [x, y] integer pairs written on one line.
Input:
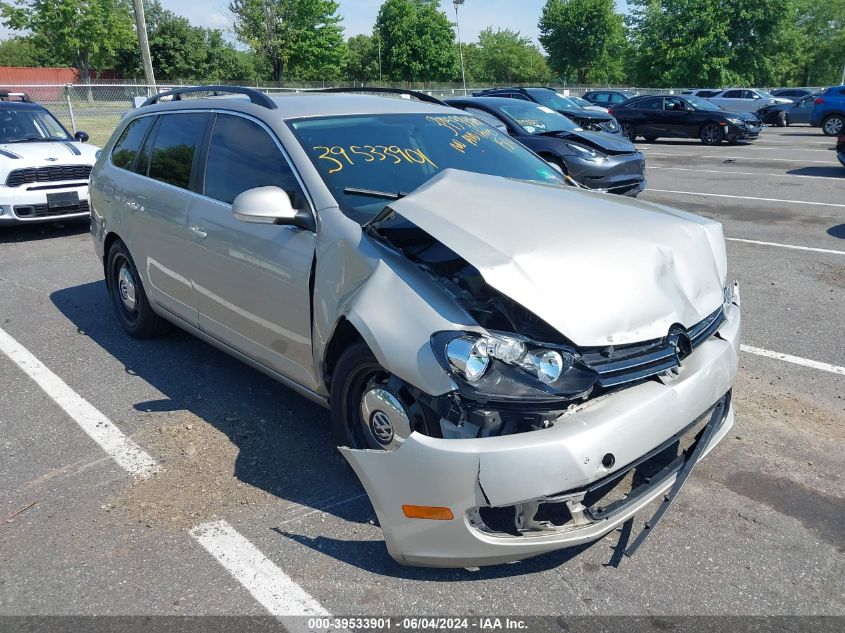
{"points": [[19, 205], [467, 475], [622, 174], [742, 132]]}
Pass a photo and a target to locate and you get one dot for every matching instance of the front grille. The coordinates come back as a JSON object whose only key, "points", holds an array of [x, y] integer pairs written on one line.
{"points": [[54, 173], [629, 363], [44, 211]]}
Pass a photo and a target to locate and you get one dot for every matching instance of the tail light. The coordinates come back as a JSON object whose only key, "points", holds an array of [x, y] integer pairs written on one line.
{"points": [[818, 100]]}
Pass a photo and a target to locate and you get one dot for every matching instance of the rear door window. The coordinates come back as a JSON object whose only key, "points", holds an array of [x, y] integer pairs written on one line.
{"points": [[176, 143], [652, 103], [128, 146], [243, 156]]}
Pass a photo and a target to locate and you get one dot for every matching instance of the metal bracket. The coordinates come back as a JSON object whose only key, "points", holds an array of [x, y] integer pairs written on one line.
{"points": [[715, 422]]}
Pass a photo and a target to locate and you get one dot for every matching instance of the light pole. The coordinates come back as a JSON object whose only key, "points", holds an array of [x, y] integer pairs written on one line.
{"points": [[378, 33], [141, 27], [457, 3]]}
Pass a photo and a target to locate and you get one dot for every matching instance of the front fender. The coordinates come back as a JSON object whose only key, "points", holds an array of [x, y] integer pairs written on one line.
{"points": [[396, 319]]}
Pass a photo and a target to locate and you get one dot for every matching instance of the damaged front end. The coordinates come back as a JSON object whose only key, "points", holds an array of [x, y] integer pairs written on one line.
{"points": [[546, 440]]}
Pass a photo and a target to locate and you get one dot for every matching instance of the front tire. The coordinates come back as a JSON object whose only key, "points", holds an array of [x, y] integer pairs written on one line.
{"points": [[367, 413], [650, 139], [711, 134], [783, 120], [833, 125], [629, 131], [128, 296]]}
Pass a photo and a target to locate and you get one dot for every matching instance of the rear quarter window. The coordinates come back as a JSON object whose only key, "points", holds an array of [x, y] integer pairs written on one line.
{"points": [[128, 145]]}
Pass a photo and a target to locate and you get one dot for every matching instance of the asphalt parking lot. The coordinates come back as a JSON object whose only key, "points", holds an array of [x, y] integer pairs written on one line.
{"points": [[253, 511]]}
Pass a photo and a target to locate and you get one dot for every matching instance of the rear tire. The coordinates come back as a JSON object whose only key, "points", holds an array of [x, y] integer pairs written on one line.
{"points": [[711, 134], [128, 296], [833, 125]]}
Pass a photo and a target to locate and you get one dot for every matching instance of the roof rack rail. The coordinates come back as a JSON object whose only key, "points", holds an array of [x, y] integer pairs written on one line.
{"points": [[255, 96], [8, 96], [397, 91]]}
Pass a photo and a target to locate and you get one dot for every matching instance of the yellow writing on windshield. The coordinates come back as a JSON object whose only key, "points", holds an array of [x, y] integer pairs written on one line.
{"points": [[339, 157], [469, 131]]}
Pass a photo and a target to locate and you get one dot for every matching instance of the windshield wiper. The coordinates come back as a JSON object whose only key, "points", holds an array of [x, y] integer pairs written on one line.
{"points": [[374, 193]]}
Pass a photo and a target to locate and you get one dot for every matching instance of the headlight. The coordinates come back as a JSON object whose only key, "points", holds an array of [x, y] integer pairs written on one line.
{"points": [[735, 121], [585, 152], [504, 367]]}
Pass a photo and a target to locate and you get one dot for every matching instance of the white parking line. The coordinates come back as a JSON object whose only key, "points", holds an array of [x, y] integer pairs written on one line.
{"points": [[792, 246], [797, 360], [268, 584], [725, 195], [99, 428], [742, 173], [724, 158]]}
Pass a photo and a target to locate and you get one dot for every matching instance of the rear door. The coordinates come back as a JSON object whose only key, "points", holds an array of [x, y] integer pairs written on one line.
{"points": [[252, 281], [648, 119], [157, 201]]}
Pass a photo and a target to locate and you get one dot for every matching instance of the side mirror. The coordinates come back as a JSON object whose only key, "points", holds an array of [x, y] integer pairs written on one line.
{"points": [[270, 205], [81, 136]]}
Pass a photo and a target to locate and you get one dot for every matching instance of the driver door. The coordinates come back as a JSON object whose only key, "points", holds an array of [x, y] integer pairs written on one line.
{"points": [[252, 281]]}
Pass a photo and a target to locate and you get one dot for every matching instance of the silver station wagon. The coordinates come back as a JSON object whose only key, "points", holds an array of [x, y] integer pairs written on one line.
{"points": [[512, 365]]}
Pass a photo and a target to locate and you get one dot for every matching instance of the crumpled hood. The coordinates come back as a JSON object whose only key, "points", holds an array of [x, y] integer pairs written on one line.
{"points": [[598, 268]]}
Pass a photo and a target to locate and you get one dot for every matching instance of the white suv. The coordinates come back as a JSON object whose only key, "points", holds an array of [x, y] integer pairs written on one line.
{"points": [[44, 170]]}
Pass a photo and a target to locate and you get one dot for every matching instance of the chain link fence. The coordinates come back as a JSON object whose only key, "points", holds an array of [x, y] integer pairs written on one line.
{"points": [[97, 108]]}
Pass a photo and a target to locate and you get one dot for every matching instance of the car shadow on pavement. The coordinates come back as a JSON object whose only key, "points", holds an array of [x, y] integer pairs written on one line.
{"points": [[837, 231], [824, 172], [46, 231], [284, 442], [372, 556]]}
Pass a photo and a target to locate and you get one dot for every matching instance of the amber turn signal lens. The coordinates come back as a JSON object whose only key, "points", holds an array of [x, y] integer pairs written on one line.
{"points": [[428, 512]]}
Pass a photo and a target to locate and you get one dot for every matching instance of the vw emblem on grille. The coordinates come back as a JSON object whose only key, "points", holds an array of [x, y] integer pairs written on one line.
{"points": [[52, 160], [680, 341], [382, 427]]}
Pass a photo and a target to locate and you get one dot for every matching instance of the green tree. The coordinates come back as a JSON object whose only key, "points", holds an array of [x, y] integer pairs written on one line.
{"points": [[505, 56], [585, 39], [20, 51], [714, 42], [300, 39], [822, 49], [362, 61], [84, 34], [418, 41], [180, 50]]}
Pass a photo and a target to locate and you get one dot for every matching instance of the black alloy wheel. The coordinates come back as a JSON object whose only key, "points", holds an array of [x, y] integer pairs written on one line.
{"points": [[711, 134]]}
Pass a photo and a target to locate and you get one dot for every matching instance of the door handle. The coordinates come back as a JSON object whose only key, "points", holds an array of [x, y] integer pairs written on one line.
{"points": [[199, 234]]}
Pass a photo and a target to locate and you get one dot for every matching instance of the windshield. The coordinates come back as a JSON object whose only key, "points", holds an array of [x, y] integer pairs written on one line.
{"points": [[538, 119], [701, 104], [581, 102], [553, 100], [17, 126], [366, 160]]}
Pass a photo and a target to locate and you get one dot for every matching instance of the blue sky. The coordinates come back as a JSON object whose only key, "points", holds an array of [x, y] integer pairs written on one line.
{"points": [[359, 15]]}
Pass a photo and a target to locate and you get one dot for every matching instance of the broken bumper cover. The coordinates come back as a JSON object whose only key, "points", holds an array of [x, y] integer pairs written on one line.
{"points": [[542, 466]]}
